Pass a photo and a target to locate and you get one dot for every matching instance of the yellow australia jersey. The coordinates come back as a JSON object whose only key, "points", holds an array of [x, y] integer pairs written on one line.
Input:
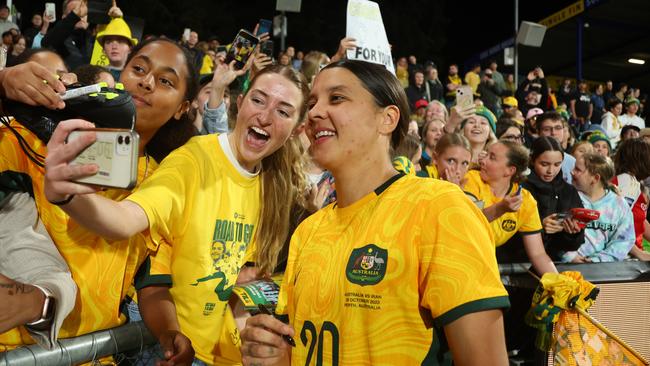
{"points": [[103, 270], [525, 221], [206, 207], [365, 284]]}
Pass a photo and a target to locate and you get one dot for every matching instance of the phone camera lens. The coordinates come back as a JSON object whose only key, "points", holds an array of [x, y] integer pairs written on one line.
{"points": [[127, 140], [120, 139]]}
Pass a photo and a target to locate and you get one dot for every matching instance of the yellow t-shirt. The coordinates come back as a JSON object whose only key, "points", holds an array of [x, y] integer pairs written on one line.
{"points": [[365, 284], [207, 66], [526, 220], [206, 207], [473, 80], [103, 270]]}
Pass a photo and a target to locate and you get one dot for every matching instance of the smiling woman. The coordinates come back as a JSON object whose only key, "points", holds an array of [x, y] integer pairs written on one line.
{"points": [[212, 205], [114, 263], [384, 251]]}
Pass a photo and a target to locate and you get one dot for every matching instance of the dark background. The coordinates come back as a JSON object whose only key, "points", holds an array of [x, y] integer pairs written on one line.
{"points": [[444, 31], [439, 30]]}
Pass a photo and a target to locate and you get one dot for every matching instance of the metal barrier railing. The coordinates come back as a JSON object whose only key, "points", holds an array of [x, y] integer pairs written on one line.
{"points": [[135, 337], [86, 348]]}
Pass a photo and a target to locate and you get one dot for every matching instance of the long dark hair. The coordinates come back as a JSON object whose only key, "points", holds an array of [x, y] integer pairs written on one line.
{"points": [[175, 132], [543, 144], [633, 157], [385, 89]]}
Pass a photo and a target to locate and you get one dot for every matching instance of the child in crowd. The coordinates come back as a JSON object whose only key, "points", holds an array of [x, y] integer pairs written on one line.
{"points": [[581, 148], [611, 237]]}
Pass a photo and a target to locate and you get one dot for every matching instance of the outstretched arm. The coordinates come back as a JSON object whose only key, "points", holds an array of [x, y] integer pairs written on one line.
{"points": [[108, 218]]}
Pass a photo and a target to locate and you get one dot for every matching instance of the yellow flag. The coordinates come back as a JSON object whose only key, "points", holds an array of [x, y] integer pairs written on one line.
{"points": [[578, 342], [99, 57]]}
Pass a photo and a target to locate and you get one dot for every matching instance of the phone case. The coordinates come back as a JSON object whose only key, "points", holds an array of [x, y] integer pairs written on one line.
{"points": [[464, 96], [50, 9], [116, 153], [265, 26], [242, 48]]}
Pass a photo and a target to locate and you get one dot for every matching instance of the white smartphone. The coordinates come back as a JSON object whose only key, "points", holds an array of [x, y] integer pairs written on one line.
{"points": [[186, 34], [50, 11], [115, 152], [464, 96]]}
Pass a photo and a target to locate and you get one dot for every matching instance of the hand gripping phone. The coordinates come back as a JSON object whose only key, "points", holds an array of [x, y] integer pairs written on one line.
{"points": [[241, 49], [115, 152]]}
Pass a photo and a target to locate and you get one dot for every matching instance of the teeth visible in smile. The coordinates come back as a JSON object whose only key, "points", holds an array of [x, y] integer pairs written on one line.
{"points": [[324, 133], [260, 131]]}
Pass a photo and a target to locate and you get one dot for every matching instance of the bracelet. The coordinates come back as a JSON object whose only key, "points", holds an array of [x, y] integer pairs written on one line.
{"points": [[63, 202]]}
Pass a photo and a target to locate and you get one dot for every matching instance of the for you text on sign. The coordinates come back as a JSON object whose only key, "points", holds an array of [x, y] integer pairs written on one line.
{"points": [[364, 23]]}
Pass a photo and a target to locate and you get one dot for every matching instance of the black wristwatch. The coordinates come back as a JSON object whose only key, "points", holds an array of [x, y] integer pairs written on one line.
{"points": [[47, 313]]}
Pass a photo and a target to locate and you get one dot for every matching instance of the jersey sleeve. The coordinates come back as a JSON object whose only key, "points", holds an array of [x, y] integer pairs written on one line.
{"points": [[156, 269], [12, 156], [164, 194], [529, 215], [458, 268]]}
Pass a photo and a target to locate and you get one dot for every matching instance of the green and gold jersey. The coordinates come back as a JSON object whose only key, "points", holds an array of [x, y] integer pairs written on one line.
{"points": [[365, 284], [103, 269], [525, 220], [203, 209]]}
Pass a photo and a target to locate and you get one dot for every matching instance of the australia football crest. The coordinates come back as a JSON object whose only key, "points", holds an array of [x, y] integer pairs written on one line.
{"points": [[367, 265]]}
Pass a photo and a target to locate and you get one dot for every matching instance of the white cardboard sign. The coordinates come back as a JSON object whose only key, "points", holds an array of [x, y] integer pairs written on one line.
{"points": [[364, 23]]}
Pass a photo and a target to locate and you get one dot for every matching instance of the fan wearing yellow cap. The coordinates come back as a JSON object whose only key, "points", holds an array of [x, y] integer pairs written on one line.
{"points": [[116, 42]]}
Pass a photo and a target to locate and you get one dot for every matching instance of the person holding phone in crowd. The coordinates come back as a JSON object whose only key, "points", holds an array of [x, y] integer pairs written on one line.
{"points": [[211, 206], [611, 237], [162, 82], [554, 197], [479, 130], [368, 277], [496, 189]]}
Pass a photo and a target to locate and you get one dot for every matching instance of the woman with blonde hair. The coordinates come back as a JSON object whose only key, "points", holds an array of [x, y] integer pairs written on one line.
{"points": [[212, 205]]}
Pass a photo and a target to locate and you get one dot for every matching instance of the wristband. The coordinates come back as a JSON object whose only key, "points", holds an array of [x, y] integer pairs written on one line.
{"points": [[63, 202]]}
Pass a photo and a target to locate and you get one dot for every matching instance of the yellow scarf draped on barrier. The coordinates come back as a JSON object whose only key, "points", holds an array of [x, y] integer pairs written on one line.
{"points": [[558, 311]]}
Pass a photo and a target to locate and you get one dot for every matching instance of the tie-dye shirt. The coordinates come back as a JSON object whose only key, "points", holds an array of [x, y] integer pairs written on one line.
{"points": [[610, 238]]}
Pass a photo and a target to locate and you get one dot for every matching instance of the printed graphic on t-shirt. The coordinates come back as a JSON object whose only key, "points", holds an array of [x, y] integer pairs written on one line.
{"points": [[229, 243]]}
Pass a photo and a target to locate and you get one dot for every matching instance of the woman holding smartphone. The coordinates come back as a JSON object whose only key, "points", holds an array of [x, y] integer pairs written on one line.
{"points": [[368, 276], [162, 81], [211, 206], [554, 196]]}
